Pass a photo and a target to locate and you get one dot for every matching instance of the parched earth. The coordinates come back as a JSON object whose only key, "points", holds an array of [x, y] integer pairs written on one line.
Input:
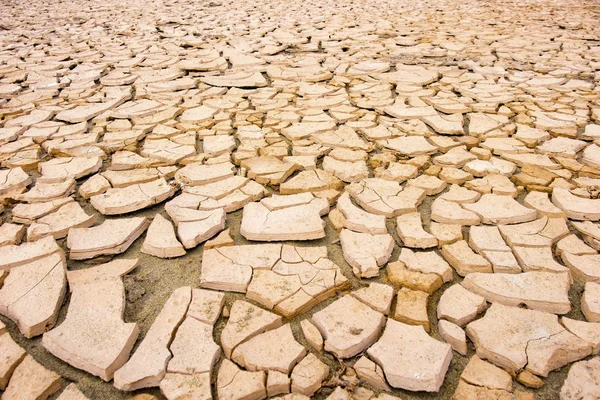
{"points": [[310, 199]]}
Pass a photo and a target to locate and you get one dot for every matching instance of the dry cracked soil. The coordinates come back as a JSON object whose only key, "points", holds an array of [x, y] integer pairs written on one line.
{"points": [[329, 200]]}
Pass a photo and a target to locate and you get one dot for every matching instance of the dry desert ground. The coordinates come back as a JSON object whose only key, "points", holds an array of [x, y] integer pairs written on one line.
{"points": [[349, 199]]}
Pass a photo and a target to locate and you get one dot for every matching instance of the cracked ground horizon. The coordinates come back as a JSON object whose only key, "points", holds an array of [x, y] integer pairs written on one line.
{"points": [[300, 200]]}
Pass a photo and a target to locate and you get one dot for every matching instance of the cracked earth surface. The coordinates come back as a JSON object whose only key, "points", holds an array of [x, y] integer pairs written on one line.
{"points": [[249, 200]]}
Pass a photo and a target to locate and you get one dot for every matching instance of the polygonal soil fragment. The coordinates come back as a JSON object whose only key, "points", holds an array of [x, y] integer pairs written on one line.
{"points": [[291, 217], [411, 308], [308, 375], [198, 174], [193, 348], [230, 194], [113, 236], [13, 181], [81, 340], [464, 260], [449, 212], [348, 326], [312, 334], [230, 268], [583, 381], [161, 240], [123, 178], [359, 220], [28, 213], [465, 390], [59, 169], [11, 233], [377, 296], [234, 383], [371, 373], [590, 302], [310, 181], [15, 255], [102, 272], [488, 242], [72, 393], [428, 262], [58, 223], [12, 355], [43, 192], [95, 185], [301, 279], [206, 305], [238, 79], [33, 293], [538, 259], [385, 197], [410, 358], [132, 198], [166, 150], [543, 205], [398, 273], [576, 207], [504, 334], [409, 145], [366, 253], [548, 354], [246, 321], [269, 169], [587, 331], [453, 335], [410, 230], [494, 209], [195, 226], [346, 170], [585, 267], [194, 386], [31, 380], [148, 365], [460, 306], [544, 291], [273, 350], [481, 373]]}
